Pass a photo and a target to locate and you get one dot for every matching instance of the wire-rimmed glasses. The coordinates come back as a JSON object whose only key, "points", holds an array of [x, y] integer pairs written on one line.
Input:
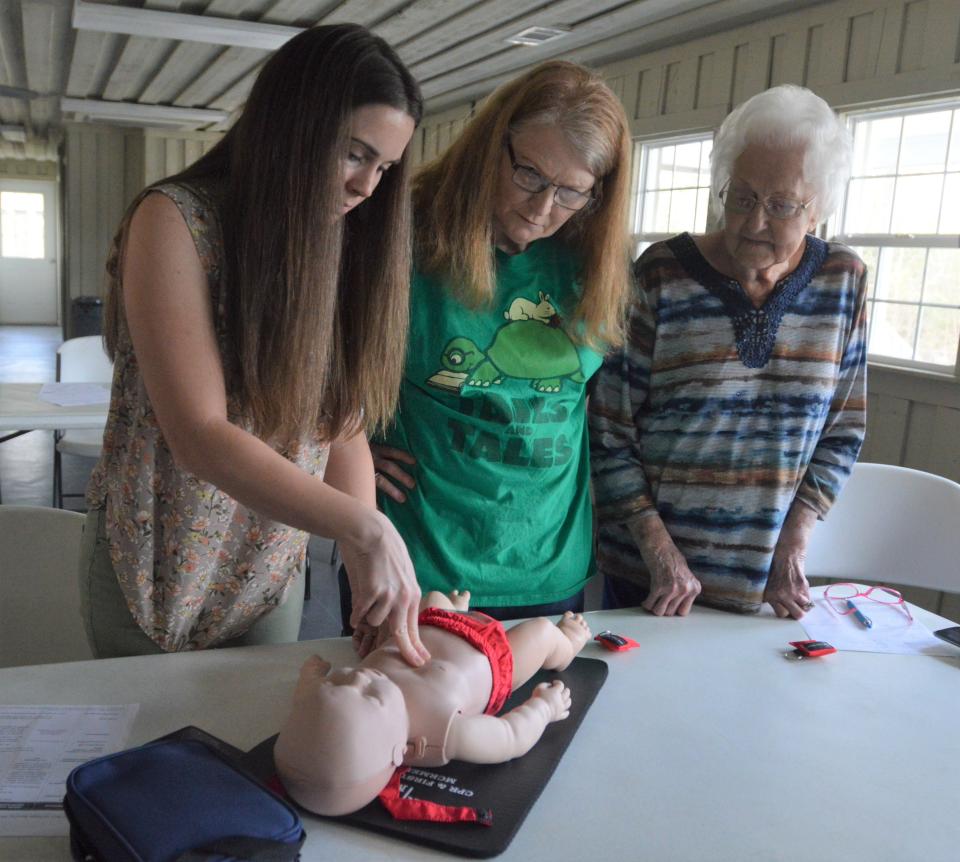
{"points": [[837, 596], [531, 180], [742, 202]]}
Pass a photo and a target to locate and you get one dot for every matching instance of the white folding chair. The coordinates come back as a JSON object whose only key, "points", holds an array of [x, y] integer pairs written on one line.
{"points": [[79, 360], [891, 525], [39, 588]]}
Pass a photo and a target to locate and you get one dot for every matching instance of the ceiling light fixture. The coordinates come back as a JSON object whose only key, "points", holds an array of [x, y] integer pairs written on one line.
{"points": [[537, 35], [157, 24], [141, 115]]}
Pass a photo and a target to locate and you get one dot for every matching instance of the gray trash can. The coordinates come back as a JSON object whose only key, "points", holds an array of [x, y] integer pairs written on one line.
{"points": [[86, 316]]}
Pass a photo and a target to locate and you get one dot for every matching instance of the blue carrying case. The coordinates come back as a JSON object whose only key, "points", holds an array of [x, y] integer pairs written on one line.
{"points": [[183, 798]]}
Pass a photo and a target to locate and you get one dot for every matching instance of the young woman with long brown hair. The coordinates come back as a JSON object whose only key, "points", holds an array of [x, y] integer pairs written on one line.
{"points": [[257, 316], [521, 278]]}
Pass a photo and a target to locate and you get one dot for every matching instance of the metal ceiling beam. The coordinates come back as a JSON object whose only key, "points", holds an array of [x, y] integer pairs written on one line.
{"points": [[156, 24]]}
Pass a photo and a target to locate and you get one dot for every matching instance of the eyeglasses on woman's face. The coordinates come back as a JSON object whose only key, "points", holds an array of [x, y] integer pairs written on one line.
{"points": [[742, 202], [531, 180]]}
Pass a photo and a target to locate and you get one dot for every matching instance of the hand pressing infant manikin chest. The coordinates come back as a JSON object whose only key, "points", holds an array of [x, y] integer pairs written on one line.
{"points": [[351, 728]]}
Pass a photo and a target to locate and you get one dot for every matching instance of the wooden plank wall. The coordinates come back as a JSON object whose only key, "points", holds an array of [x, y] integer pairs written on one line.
{"points": [[104, 168], [28, 169], [854, 53]]}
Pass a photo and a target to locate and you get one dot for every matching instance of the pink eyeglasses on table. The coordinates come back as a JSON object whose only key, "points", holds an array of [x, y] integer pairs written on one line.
{"points": [[838, 595]]}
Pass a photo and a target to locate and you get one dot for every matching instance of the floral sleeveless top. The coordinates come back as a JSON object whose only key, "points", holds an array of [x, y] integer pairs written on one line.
{"points": [[196, 567]]}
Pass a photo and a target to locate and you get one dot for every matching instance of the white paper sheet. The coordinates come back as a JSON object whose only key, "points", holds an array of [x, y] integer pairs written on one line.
{"points": [[75, 394], [892, 630], [39, 745]]}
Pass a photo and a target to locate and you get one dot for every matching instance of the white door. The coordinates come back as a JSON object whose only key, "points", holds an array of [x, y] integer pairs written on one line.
{"points": [[28, 252]]}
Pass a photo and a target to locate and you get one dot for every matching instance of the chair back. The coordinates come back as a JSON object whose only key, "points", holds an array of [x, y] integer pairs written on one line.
{"points": [[83, 360], [39, 589], [891, 525]]}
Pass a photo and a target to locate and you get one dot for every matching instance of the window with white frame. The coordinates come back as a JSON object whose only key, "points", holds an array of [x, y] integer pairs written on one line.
{"points": [[672, 189], [902, 215]]}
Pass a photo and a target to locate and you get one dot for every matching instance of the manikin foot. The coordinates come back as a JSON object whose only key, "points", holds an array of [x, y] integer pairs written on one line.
{"points": [[575, 633]]}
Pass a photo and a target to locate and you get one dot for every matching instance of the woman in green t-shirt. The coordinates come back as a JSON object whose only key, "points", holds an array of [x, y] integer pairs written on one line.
{"points": [[521, 277]]}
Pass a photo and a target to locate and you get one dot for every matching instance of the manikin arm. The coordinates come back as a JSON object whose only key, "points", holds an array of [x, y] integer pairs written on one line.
{"points": [[489, 739]]}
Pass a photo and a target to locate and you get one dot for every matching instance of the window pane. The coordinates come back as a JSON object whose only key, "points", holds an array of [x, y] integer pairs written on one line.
{"points": [[663, 178], [892, 328], [943, 277], [675, 186], [21, 224], [950, 214], [938, 336], [683, 210], [707, 147], [868, 206], [924, 146], [653, 167], [906, 183], [703, 210], [686, 171], [656, 212], [876, 145], [916, 204], [869, 255], [900, 274]]}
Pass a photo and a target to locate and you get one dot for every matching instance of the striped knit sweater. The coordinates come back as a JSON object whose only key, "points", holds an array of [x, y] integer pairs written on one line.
{"points": [[716, 415]]}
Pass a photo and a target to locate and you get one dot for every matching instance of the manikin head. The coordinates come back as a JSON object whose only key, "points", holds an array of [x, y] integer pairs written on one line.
{"points": [[344, 738]]}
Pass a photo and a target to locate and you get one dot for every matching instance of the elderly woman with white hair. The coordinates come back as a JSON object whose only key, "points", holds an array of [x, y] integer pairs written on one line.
{"points": [[730, 420]]}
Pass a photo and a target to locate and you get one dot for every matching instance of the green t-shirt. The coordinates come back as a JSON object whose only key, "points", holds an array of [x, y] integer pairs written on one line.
{"points": [[493, 407]]}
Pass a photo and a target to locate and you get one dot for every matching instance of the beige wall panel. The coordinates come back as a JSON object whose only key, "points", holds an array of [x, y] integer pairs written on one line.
{"points": [[169, 153], [944, 459], [831, 63], [617, 85], [678, 124], [134, 178], [788, 58], [722, 74], [175, 155], [680, 94], [941, 41], [862, 46], [192, 150], [751, 69], [891, 24], [706, 80], [437, 131], [912, 36], [814, 52], [629, 90], [28, 169], [950, 606], [96, 182], [927, 599], [886, 429], [648, 93], [920, 429], [430, 134]]}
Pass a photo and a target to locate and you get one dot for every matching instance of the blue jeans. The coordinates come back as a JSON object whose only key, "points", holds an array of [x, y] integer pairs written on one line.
{"points": [[621, 593]]}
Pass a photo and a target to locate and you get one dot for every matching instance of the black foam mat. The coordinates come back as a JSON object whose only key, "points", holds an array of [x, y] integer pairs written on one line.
{"points": [[509, 789]]}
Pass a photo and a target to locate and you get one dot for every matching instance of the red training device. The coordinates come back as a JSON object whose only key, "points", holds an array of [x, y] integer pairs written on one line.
{"points": [[616, 643], [812, 649]]}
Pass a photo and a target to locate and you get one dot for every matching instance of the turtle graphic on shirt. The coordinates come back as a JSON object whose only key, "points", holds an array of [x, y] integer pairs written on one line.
{"points": [[527, 347]]}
